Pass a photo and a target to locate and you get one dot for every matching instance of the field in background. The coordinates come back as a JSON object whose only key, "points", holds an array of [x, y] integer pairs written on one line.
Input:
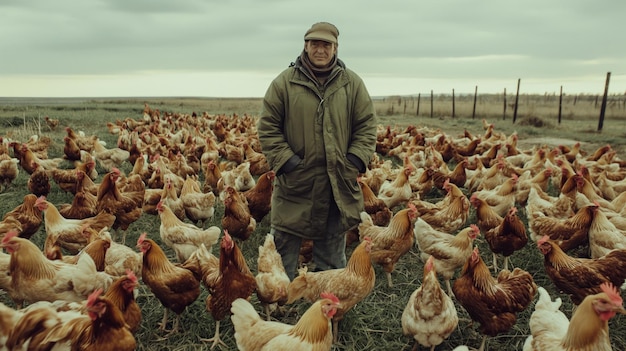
{"points": [[373, 324], [537, 115]]}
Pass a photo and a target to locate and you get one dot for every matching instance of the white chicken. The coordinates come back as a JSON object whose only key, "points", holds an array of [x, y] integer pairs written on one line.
{"points": [[429, 316]]}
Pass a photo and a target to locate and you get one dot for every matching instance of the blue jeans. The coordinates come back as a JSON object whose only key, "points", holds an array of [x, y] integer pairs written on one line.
{"points": [[328, 253]]}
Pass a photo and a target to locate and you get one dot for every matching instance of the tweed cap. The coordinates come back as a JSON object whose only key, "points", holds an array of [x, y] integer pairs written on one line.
{"points": [[322, 31]]}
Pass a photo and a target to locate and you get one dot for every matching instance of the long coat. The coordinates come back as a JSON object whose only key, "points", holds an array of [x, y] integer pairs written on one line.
{"points": [[320, 124]]}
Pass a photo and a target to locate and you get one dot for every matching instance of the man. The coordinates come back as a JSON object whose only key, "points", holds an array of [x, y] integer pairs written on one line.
{"points": [[318, 132]]}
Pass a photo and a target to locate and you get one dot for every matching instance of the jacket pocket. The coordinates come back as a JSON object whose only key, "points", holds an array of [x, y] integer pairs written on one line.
{"points": [[297, 183]]}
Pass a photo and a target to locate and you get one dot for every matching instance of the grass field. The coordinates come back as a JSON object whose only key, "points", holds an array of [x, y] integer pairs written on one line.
{"points": [[374, 324]]}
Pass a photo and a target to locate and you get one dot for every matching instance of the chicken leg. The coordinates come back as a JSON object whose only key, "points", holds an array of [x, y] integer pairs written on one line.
{"points": [[495, 263], [216, 338], [163, 324]]}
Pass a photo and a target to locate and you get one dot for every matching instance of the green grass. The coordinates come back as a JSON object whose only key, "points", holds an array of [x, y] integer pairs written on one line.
{"points": [[373, 324]]}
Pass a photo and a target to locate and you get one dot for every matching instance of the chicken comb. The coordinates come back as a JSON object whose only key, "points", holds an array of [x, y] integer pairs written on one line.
{"points": [[612, 292], [93, 297], [131, 275], [40, 199], [8, 236], [543, 240], [142, 237], [330, 296], [412, 207], [367, 238]]}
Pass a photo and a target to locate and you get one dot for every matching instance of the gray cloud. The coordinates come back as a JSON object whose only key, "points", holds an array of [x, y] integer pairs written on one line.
{"points": [[448, 39]]}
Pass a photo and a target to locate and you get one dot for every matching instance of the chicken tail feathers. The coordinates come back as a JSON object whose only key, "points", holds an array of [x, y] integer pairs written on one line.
{"points": [[244, 316]]}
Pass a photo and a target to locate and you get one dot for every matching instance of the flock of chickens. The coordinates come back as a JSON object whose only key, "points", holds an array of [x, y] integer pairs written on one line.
{"points": [[425, 191]]}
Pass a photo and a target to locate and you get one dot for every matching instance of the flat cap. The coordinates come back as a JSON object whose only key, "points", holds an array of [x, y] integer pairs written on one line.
{"points": [[322, 31]]}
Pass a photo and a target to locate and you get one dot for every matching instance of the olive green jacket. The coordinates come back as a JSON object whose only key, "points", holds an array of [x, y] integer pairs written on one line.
{"points": [[321, 125]]}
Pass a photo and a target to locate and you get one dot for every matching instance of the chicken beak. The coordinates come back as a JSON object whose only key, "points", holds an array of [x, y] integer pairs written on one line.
{"points": [[620, 309]]}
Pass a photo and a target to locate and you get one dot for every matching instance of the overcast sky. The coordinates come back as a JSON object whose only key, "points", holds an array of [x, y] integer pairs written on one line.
{"points": [[235, 48]]}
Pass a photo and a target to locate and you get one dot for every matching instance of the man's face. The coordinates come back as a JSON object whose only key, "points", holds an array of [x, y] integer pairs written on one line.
{"points": [[320, 52]]}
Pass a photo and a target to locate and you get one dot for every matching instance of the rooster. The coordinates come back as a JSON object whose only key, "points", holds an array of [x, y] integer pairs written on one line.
{"points": [[175, 287], [232, 281], [184, 238], [491, 302], [430, 315], [350, 284], [579, 277], [391, 242], [313, 331], [450, 251], [506, 238], [271, 279], [550, 330]]}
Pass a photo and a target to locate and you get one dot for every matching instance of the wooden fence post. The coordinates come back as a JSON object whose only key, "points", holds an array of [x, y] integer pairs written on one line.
{"points": [[560, 103], [419, 97], [516, 101], [603, 107], [453, 111], [474, 107]]}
